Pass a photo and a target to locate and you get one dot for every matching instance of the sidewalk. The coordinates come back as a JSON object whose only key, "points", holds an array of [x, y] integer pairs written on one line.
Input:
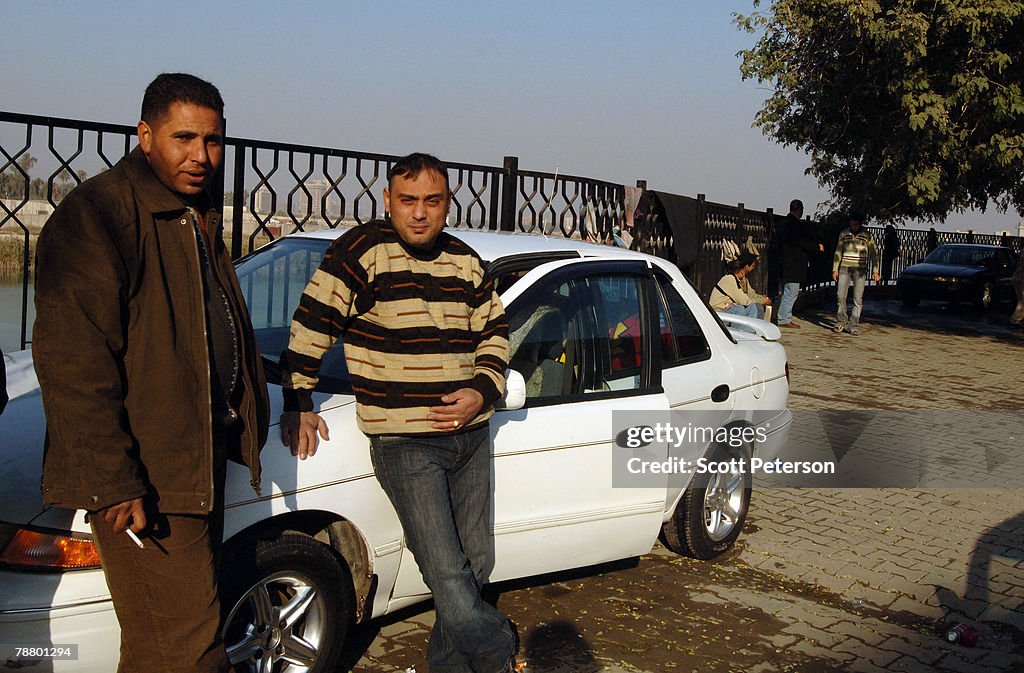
{"points": [[856, 580]]}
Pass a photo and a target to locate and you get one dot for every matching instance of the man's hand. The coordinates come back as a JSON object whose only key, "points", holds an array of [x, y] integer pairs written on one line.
{"points": [[835, 275], [299, 430], [876, 276], [122, 514], [459, 408], [821, 247], [767, 301]]}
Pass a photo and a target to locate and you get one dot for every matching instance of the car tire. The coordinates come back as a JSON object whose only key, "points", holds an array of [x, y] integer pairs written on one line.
{"points": [[290, 599], [985, 297], [710, 515]]}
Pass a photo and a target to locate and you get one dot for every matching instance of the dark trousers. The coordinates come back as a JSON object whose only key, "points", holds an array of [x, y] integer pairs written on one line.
{"points": [[440, 488], [165, 595]]}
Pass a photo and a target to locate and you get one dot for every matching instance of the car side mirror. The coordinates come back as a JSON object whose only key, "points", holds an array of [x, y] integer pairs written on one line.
{"points": [[515, 392]]}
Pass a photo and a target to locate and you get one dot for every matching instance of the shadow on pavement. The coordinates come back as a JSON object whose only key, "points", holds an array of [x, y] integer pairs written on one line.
{"points": [[934, 317], [997, 557]]}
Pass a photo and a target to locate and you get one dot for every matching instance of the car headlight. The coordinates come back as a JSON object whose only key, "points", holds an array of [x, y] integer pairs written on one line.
{"points": [[46, 549]]}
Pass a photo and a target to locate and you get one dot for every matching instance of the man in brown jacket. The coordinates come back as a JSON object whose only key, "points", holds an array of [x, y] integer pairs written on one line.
{"points": [[150, 375]]}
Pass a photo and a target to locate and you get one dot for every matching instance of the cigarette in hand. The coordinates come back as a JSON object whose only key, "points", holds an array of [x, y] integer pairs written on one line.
{"points": [[135, 538]]}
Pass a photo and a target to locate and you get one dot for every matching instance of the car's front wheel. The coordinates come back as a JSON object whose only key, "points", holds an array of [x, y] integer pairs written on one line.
{"points": [[710, 516], [289, 604], [910, 299]]}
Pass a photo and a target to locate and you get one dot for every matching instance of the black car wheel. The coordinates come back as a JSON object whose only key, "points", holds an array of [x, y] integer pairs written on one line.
{"points": [[710, 516], [289, 606], [910, 299]]}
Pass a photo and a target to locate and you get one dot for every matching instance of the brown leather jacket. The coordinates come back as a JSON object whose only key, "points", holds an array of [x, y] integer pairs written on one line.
{"points": [[120, 348]]}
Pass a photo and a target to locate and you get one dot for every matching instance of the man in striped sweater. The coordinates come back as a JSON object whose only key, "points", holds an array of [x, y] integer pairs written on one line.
{"points": [[856, 252], [426, 343]]}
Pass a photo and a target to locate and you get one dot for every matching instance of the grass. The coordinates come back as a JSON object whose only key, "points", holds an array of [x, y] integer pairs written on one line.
{"points": [[12, 252]]}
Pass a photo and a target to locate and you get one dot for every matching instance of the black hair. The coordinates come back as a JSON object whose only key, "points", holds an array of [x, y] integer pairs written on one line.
{"points": [[796, 204], [178, 87], [857, 216], [746, 257], [413, 164]]}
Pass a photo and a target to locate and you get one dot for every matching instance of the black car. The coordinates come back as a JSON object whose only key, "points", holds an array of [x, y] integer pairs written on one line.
{"points": [[979, 274]]}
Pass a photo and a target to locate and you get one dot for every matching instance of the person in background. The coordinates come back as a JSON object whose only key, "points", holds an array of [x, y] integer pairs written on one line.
{"points": [[890, 251], [798, 246], [932, 241], [856, 255], [733, 294]]}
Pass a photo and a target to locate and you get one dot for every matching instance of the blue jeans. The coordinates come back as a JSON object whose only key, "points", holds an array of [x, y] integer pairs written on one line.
{"points": [[750, 310], [790, 291], [440, 488], [856, 277]]}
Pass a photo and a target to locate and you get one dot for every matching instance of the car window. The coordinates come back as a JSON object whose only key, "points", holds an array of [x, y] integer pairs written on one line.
{"points": [[581, 336], [272, 280], [683, 341]]}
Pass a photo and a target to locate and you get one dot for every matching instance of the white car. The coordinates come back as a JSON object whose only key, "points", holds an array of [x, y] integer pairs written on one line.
{"points": [[594, 330]]}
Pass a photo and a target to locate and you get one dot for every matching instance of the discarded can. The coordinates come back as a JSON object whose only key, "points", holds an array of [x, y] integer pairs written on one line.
{"points": [[962, 634]]}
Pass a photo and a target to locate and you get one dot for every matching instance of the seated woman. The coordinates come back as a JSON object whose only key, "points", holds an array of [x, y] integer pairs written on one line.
{"points": [[733, 294]]}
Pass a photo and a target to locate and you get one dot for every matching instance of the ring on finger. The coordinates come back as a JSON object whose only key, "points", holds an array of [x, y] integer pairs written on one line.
{"points": [[455, 425]]}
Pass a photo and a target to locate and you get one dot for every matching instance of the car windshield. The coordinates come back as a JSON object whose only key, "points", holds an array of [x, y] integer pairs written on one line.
{"points": [[272, 280], [961, 256]]}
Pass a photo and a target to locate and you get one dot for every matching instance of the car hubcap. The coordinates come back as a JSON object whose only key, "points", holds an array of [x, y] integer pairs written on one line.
{"points": [[722, 502], [278, 625]]}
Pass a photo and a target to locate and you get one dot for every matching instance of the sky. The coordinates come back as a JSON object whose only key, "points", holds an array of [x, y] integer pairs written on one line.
{"points": [[609, 90]]}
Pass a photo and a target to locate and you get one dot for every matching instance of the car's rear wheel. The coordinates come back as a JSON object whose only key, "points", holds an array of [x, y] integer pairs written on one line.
{"points": [[710, 516], [289, 606]]}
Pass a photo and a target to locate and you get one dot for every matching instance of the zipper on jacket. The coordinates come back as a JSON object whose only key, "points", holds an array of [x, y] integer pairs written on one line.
{"points": [[233, 316], [206, 349]]}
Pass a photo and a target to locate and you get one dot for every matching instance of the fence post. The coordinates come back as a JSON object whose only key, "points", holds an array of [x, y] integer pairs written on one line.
{"points": [[509, 179], [238, 202], [642, 184], [699, 263]]}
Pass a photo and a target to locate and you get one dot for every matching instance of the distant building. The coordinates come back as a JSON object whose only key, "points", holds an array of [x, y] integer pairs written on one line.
{"points": [[263, 200]]}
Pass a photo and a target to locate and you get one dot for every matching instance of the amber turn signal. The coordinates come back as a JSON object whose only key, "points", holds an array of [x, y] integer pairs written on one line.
{"points": [[46, 549]]}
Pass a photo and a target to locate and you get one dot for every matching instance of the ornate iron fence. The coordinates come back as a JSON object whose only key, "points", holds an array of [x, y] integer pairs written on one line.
{"points": [[271, 189]]}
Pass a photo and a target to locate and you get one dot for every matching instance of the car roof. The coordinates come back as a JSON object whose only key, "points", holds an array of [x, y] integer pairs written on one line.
{"points": [[974, 246], [494, 245]]}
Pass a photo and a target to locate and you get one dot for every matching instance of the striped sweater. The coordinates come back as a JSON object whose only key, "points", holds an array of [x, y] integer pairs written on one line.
{"points": [[855, 251], [417, 324]]}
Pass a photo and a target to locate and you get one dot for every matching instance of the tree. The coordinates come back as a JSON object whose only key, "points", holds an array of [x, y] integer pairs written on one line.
{"points": [[908, 109]]}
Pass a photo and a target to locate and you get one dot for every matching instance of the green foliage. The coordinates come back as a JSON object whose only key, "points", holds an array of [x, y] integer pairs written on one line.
{"points": [[908, 109]]}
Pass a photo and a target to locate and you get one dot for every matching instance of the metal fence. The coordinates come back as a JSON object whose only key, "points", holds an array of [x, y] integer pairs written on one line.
{"points": [[271, 189]]}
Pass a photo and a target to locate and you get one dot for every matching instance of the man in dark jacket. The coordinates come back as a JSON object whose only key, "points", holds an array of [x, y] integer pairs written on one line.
{"points": [[798, 245], [150, 376]]}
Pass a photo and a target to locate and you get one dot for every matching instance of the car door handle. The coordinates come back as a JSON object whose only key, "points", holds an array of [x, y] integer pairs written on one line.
{"points": [[720, 393]]}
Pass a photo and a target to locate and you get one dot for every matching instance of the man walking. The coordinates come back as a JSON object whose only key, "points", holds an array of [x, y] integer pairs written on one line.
{"points": [[798, 245], [855, 254], [426, 343], [150, 376]]}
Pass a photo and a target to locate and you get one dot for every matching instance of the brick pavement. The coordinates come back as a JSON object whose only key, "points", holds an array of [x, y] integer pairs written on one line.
{"points": [[822, 580]]}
